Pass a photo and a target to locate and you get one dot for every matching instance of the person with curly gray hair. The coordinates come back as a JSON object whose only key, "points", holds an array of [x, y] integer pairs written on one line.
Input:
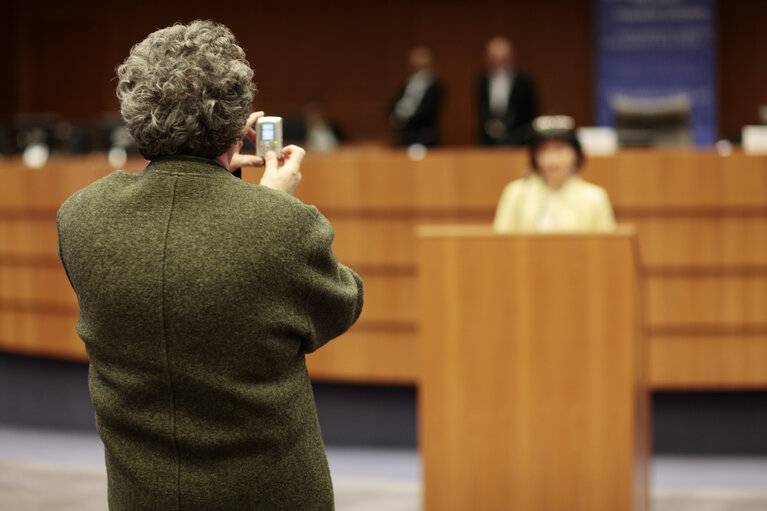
{"points": [[200, 294]]}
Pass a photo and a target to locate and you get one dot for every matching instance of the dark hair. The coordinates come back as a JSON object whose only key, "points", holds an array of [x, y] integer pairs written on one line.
{"points": [[562, 131]]}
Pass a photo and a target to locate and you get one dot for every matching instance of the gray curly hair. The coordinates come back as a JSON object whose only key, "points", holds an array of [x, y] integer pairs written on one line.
{"points": [[186, 89]]}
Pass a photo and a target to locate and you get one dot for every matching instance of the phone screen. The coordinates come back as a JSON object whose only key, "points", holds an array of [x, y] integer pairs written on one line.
{"points": [[267, 131]]}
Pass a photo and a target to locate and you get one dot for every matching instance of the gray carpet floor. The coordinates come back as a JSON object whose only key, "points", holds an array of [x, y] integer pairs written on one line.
{"points": [[36, 486], [59, 471], [39, 486]]}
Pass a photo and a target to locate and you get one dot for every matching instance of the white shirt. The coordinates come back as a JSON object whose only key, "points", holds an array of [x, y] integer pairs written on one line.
{"points": [[413, 95], [500, 85], [320, 138]]}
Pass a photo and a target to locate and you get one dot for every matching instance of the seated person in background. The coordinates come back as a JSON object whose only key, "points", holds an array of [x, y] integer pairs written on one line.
{"points": [[321, 135], [553, 197], [415, 112], [312, 128]]}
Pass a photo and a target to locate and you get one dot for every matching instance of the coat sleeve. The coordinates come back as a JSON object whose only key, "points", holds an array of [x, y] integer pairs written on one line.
{"points": [[58, 246], [334, 293]]}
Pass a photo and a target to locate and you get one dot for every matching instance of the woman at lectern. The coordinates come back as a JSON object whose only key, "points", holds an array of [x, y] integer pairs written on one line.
{"points": [[200, 294], [553, 197]]}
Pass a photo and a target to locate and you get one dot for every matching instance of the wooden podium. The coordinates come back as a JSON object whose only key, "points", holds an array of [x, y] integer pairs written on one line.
{"points": [[532, 394]]}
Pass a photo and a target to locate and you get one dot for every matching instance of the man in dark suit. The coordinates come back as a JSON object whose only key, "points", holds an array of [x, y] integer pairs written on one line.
{"points": [[415, 112], [506, 97]]}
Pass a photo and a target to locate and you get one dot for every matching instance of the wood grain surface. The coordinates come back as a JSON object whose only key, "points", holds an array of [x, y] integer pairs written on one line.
{"points": [[702, 231], [532, 392]]}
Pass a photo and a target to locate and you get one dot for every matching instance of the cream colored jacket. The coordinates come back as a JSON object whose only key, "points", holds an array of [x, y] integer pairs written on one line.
{"points": [[528, 204]]}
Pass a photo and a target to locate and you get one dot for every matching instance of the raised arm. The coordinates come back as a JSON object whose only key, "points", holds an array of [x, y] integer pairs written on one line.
{"points": [[334, 294]]}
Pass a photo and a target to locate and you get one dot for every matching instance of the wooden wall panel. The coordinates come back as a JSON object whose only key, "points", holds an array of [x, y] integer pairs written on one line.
{"points": [[352, 57], [449, 182], [7, 56], [701, 218], [40, 331], [389, 298], [385, 244], [714, 243], [707, 303], [368, 354], [29, 236], [667, 244], [742, 74], [25, 283], [672, 181], [695, 361]]}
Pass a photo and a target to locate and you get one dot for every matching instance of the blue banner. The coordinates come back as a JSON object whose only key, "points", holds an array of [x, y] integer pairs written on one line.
{"points": [[658, 48]]}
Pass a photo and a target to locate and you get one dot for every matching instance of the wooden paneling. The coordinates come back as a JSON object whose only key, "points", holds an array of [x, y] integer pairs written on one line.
{"points": [[695, 361], [532, 372], [375, 241], [385, 182], [7, 56], [40, 331], [707, 303], [741, 70], [719, 244], [716, 242], [387, 244], [29, 236], [38, 309], [677, 182], [28, 283], [368, 353], [352, 57], [701, 220], [389, 298]]}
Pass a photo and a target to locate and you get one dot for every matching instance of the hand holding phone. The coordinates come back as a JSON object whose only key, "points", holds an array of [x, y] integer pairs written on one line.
{"points": [[240, 159], [287, 175], [268, 135]]}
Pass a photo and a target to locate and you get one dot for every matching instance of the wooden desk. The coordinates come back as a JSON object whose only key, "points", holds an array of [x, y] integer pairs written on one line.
{"points": [[532, 393], [701, 219]]}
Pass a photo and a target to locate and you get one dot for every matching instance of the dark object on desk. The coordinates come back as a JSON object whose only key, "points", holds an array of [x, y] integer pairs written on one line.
{"points": [[34, 128], [662, 121], [76, 138]]}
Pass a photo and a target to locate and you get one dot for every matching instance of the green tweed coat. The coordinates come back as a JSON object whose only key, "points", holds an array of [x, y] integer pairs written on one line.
{"points": [[200, 295]]}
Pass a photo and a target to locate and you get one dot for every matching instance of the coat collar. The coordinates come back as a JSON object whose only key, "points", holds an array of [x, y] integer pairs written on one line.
{"points": [[186, 164]]}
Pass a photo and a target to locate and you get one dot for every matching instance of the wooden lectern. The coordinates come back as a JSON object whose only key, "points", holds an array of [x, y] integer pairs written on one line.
{"points": [[532, 394]]}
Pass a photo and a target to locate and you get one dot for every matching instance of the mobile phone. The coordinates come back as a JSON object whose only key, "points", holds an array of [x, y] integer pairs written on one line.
{"points": [[268, 135]]}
